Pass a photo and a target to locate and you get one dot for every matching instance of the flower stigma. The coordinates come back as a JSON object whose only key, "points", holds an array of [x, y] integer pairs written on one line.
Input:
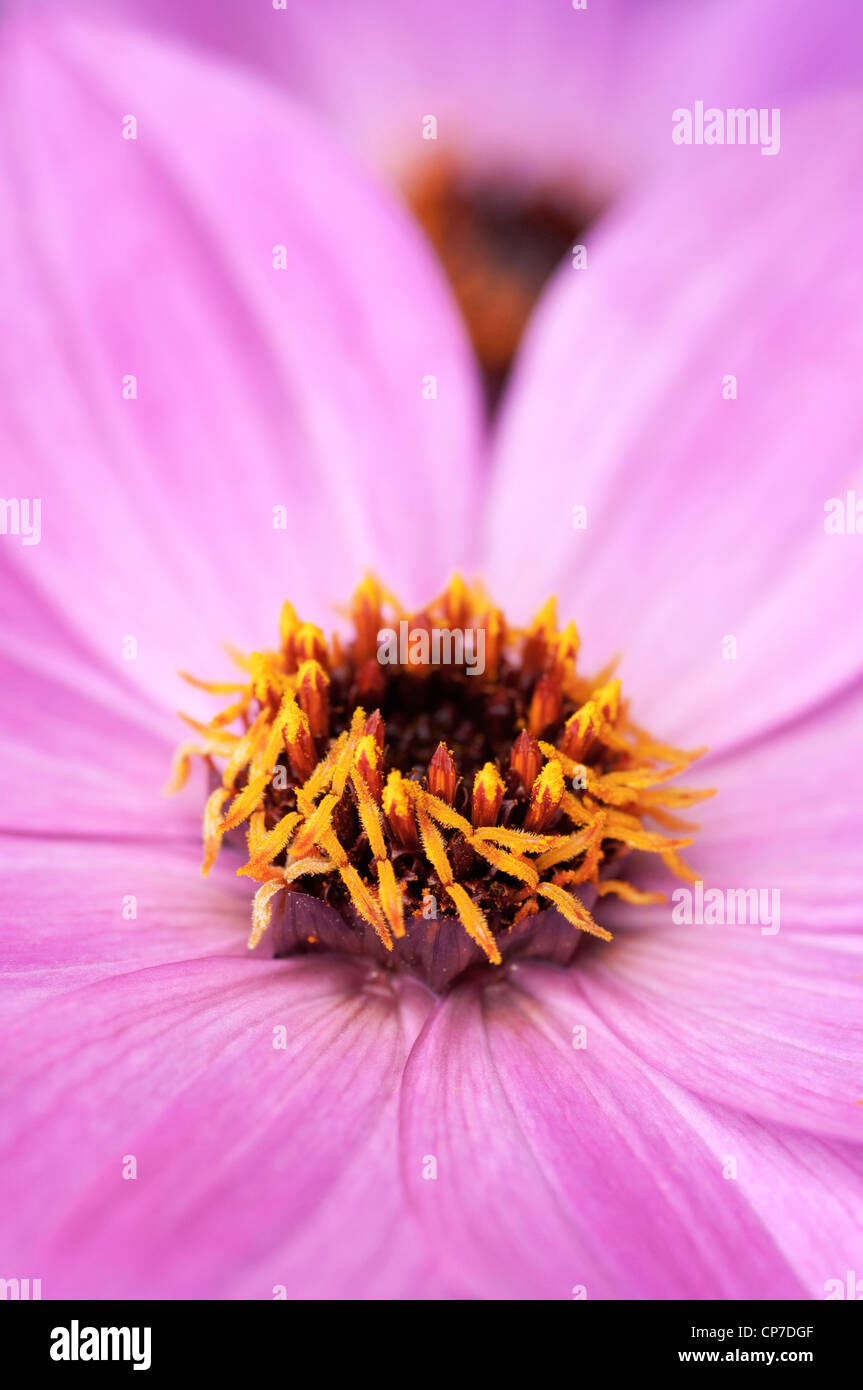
{"points": [[400, 797]]}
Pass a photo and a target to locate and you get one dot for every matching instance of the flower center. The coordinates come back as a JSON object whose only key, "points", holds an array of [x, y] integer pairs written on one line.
{"points": [[445, 773], [498, 247]]}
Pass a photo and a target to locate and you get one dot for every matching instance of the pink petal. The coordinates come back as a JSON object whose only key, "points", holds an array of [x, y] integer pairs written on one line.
{"points": [[77, 910], [807, 1193], [787, 816], [593, 90], [80, 749], [705, 516], [770, 1026], [257, 388], [258, 1167], [376, 69], [561, 1168], [732, 53]]}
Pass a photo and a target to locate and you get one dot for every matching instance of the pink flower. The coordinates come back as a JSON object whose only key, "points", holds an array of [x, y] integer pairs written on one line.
{"points": [[164, 387], [509, 129]]}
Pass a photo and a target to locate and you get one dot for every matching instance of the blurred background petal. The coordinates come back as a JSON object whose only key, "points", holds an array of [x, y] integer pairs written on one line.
{"points": [[705, 512], [258, 387], [542, 113]]}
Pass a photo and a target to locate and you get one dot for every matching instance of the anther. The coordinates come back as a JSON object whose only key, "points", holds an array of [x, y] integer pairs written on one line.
{"points": [[375, 725], [488, 791], [545, 706], [299, 744], [442, 774], [312, 690], [398, 810], [525, 759], [369, 764], [367, 618], [545, 797], [310, 644]]}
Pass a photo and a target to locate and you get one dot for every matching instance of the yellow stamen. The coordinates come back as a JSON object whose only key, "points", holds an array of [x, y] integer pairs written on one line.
{"points": [[262, 909], [514, 839], [628, 891], [574, 911], [507, 863], [212, 826], [272, 844]]}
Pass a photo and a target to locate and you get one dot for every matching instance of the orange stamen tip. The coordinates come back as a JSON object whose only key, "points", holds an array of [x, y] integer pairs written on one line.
{"points": [[545, 797], [371, 681], [541, 637], [366, 613], [545, 706], [298, 741], [369, 763], [442, 774], [310, 644], [313, 693], [565, 651], [608, 700], [457, 602], [399, 812], [375, 725], [288, 625], [545, 620], [525, 759], [493, 624], [488, 793]]}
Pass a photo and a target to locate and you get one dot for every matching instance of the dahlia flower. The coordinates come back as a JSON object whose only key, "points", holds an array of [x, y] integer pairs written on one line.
{"points": [[236, 383]]}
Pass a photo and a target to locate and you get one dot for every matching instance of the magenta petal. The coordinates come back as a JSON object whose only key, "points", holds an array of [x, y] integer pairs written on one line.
{"points": [[593, 89], [375, 69], [258, 387], [259, 1167], [83, 751], [728, 51], [705, 515], [807, 1192], [787, 818], [79, 753], [71, 766], [788, 815], [559, 1169], [771, 1026], [76, 910]]}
